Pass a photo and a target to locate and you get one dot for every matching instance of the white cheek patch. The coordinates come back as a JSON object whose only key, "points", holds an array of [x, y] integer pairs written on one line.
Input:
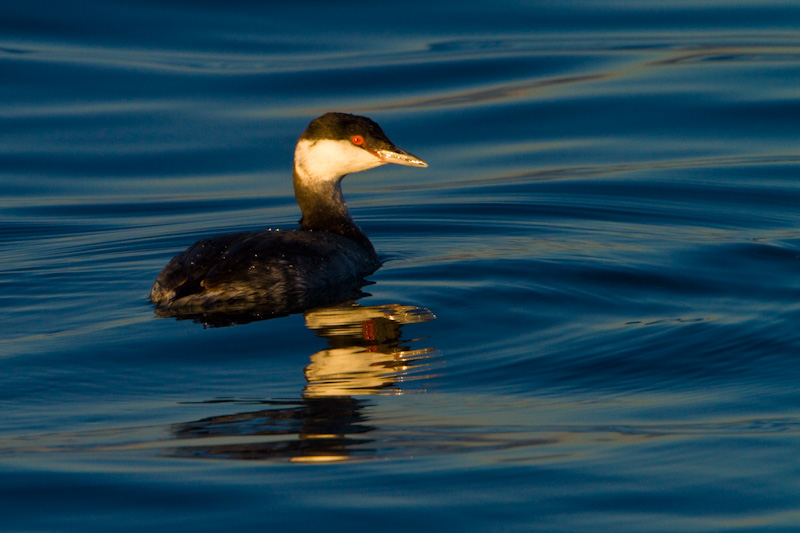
{"points": [[330, 160]]}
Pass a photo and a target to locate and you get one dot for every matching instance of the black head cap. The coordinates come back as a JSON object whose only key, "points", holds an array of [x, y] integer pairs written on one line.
{"points": [[343, 126]]}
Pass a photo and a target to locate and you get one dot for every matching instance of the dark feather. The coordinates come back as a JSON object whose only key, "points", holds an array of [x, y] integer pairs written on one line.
{"points": [[280, 269]]}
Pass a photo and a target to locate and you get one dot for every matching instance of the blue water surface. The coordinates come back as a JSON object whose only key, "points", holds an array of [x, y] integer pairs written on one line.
{"points": [[587, 315]]}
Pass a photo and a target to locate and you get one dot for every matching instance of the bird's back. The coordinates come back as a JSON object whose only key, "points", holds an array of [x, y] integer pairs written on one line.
{"points": [[282, 270]]}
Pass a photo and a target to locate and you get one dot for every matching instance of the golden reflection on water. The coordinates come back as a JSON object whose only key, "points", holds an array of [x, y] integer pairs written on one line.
{"points": [[366, 355]]}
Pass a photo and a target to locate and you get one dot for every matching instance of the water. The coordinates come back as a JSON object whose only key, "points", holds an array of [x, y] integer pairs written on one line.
{"points": [[587, 316]]}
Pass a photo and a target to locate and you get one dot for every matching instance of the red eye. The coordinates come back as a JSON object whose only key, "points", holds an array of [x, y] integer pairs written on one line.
{"points": [[358, 140]]}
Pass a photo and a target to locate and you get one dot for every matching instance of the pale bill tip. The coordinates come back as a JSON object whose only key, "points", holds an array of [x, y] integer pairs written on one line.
{"points": [[401, 158]]}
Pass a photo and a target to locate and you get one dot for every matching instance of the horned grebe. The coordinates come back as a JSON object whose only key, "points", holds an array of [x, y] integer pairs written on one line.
{"points": [[287, 271]]}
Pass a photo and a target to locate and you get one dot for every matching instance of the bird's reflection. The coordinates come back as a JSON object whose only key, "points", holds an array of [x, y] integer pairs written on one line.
{"points": [[237, 313], [366, 355]]}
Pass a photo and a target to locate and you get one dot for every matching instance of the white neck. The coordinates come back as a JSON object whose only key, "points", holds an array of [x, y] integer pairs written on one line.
{"points": [[319, 167]]}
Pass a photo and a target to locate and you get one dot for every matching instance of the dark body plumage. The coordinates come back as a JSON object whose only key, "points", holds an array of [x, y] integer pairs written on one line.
{"points": [[282, 272]]}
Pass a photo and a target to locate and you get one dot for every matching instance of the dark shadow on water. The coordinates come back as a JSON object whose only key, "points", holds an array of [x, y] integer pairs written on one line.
{"points": [[366, 355], [310, 429]]}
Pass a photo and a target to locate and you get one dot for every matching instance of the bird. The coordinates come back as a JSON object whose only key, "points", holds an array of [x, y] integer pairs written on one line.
{"points": [[287, 271]]}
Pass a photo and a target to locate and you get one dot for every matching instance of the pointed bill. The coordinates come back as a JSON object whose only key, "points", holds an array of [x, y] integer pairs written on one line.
{"points": [[400, 157]]}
